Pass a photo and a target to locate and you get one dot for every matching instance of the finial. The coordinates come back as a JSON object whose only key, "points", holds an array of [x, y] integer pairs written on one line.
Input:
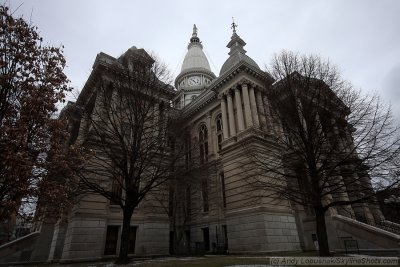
{"points": [[194, 30], [234, 25]]}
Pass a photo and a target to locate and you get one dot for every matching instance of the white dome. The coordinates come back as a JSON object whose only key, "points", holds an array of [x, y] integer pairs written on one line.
{"points": [[195, 58]]}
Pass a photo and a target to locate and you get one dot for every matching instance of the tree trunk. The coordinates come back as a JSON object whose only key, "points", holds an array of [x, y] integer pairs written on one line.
{"points": [[124, 248], [321, 232]]}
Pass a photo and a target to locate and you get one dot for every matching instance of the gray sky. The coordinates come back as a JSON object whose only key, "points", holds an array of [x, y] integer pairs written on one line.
{"points": [[362, 37]]}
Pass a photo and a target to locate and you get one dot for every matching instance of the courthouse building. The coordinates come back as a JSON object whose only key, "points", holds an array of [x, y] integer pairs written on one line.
{"points": [[223, 111]]}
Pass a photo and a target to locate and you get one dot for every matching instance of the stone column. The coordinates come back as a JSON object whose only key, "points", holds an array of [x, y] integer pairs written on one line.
{"points": [[372, 211], [336, 135], [246, 102], [361, 210], [239, 110], [263, 121], [224, 118], [231, 115], [341, 195], [253, 107]]}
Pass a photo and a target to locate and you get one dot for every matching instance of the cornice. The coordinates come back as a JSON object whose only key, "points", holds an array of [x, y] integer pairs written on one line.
{"points": [[201, 101], [241, 67]]}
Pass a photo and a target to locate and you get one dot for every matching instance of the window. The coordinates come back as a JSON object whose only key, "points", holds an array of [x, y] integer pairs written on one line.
{"points": [[188, 201], [188, 153], [111, 240], [132, 239], [204, 194], [203, 142], [116, 191], [222, 180], [225, 231], [171, 201], [206, 238], [218, 122]]}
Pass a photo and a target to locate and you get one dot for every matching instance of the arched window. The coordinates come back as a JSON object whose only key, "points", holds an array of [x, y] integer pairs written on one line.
{"points": [[203, 143], [218, 122]]}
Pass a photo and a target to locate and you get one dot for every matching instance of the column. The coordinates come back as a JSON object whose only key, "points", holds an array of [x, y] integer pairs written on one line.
{"points": [[224, 118], [263, 121], [232, 128], [365, 184], [253, 107], [341, 195], [246, 102], [239, 110]]}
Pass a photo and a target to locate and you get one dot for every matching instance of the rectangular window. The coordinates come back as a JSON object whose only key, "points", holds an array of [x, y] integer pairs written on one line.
{"points": [[188, 153], [116, 193], [111, 240], [132, 239], [204, 193], [219, 141], [201, 154], [188, 201], [206, 151], [171, 201], [222, 179], [206, 238], [225, 231]]}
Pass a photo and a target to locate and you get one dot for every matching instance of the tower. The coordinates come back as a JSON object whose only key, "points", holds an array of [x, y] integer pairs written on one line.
{"points": [[195, 75]]}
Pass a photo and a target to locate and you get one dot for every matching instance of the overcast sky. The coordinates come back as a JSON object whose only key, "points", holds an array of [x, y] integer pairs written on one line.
{"points": [[361, 37]]}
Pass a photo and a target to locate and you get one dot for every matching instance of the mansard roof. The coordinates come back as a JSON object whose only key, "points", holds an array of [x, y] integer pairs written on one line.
{"points": [[105, 62]]}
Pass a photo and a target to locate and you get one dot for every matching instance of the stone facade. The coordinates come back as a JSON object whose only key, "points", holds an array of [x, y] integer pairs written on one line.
{"points": [[232, 111]]}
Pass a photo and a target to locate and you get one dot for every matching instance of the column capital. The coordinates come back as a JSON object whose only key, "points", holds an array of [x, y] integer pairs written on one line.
{"points": [[247, 83]]}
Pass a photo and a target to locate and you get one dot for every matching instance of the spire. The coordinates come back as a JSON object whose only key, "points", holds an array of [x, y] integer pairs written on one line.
{"points": [[236, 43], [234, 25], [194, 38], [237, 54], [194, 31]]}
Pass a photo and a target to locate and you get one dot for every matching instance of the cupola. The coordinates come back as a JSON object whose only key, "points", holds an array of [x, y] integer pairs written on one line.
{"points": [[237, 53], [195, 75]]}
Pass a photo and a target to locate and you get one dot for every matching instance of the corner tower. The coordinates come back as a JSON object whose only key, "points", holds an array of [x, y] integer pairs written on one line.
{"points": [[195, 75]]}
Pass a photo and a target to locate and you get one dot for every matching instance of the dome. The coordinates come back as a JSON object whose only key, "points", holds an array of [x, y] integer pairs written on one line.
{"points": [[235, 59], [195, 58], [237, 54]]}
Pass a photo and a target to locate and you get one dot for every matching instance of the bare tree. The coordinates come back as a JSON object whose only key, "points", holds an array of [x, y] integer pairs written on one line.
{"points": [[191, 175], [127, 133], [334, 146]]}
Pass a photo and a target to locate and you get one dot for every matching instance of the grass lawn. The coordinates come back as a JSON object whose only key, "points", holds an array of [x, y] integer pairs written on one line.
{"points": [[210, 261], [206, 261], [223, 261]]}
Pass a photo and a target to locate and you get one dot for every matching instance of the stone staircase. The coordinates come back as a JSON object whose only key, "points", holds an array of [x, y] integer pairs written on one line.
{"points": [[389, 226], [381, 238], [19, 250]]}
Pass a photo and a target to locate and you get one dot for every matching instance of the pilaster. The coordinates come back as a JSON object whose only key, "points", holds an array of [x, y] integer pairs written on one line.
{"points": [[246, 102], [239, 110], [231, 115]]}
